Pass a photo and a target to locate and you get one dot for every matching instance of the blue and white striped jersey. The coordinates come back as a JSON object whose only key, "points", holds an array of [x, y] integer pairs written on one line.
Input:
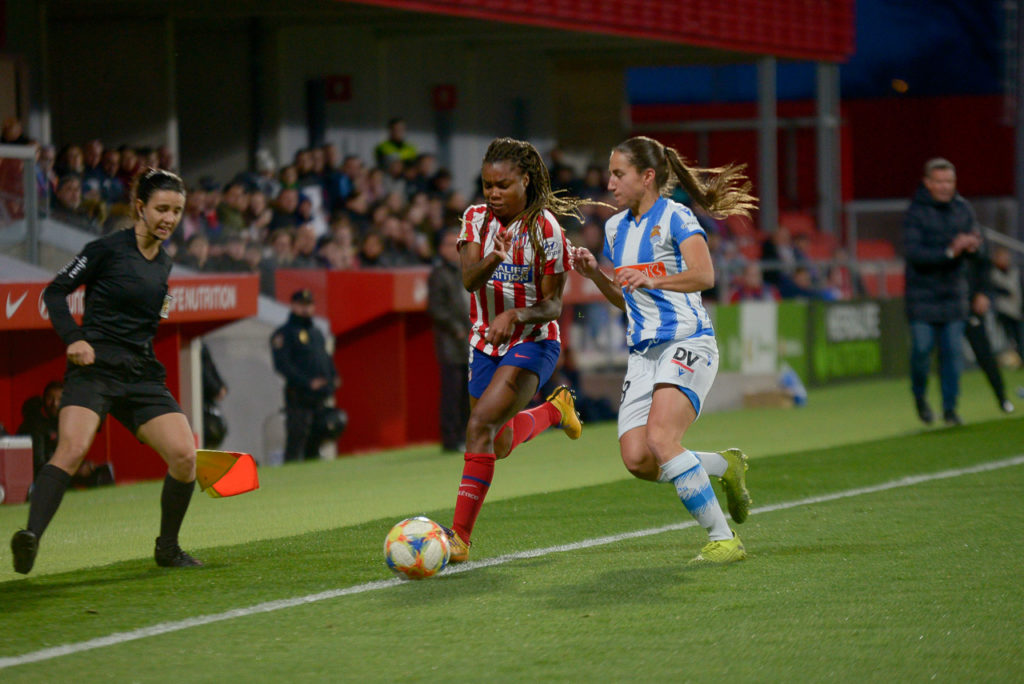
{"points": [[652, 244]]}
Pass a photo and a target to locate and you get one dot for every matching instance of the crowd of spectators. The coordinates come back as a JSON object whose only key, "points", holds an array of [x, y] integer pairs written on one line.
{"points": [[325, 209]]}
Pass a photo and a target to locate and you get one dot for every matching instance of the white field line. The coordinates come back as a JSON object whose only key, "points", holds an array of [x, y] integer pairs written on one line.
{"points": [[271, 606]]}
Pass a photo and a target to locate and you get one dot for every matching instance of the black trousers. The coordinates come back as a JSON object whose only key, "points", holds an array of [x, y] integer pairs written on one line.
{"points": [[302, 440], [977, 337], [454, 413]]}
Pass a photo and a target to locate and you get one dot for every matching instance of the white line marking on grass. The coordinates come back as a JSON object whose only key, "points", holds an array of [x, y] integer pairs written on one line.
{"points": [[271, 606]]}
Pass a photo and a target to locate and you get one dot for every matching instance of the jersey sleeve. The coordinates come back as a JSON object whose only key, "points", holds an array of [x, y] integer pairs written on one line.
{"points": [[684, 225], [79, 271], [556, 249], [473, 220]]}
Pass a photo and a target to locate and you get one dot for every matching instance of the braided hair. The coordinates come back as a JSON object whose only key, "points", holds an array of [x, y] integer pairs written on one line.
{"points": [[722, 191], [539, 195]]}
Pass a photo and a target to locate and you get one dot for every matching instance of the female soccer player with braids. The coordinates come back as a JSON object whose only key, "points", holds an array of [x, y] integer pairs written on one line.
{"points": [[515, 260], [111, 367], [662, 264]]}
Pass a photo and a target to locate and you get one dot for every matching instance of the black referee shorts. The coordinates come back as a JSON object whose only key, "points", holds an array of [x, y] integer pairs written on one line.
{"points": [[132, 399]]}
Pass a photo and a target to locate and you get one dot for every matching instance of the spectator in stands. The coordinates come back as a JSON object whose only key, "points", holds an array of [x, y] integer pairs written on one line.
{"points": [[165, 158], [258, 216], [129, 165], [800, 285], [285, 210], [337, 184], [11, 132], [940, 236], [395, 145], [266, 179], [70, 160], [197, 255], [46, 173], [111, 188], [194, 222], [594, 186], [289, 177], [371, 251], [843, 278], [231, 209], [93, 159], [779, 254], [1007, 299], [232, 258], [751, 286], [305, 247], [282, 255], [69, 208]]}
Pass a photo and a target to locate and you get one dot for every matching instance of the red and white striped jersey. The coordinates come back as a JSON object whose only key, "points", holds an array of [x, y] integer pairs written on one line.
{"points": [[515, 283]]}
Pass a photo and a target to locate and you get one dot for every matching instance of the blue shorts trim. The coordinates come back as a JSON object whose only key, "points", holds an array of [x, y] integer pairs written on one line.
{"points": [[537, 357]]}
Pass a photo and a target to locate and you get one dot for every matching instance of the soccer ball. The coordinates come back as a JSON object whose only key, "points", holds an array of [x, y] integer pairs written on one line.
{"points": [[416, 548]]}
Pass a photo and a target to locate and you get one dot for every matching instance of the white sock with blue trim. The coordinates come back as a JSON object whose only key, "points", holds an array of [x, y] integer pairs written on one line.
{"points": [[694, 490]]}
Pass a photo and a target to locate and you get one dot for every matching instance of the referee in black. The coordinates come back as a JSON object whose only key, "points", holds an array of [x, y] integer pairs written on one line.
{"points": [[111, 366]]}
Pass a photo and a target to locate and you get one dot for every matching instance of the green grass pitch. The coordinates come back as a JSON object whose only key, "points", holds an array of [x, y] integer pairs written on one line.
{"points": [[879, 550]]}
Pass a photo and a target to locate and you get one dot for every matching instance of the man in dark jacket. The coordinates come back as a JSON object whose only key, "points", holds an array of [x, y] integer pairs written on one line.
{"points": [[940, 238], [300, 355], [448, 306]]}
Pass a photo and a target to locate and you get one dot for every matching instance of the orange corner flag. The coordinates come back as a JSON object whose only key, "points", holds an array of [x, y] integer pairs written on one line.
{"points": [[225, 473]]}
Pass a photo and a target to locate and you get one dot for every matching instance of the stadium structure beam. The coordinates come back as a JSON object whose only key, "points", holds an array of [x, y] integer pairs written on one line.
{"points": [[827, 148], [767, 145]]}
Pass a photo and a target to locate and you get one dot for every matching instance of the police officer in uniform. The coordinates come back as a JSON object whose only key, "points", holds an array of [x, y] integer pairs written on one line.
{"points": [[300, 355]]}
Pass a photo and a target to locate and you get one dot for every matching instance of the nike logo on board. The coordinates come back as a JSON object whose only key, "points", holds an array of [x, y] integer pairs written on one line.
{"points": [[12, 307]]}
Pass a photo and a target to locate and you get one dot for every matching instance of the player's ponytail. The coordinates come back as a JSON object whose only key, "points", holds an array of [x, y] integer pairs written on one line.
{"points": [[722, 191]]}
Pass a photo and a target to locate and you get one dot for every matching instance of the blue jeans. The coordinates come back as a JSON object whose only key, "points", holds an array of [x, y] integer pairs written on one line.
{"points": [[923, 336]]}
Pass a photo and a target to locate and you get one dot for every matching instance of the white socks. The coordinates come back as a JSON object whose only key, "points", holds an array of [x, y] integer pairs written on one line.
{"points": [[712, 461], [694, 490]]}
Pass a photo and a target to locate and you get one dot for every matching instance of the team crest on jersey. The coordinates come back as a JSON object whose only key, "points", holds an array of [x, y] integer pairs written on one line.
{"points": [[655, 232], [513, 273]]}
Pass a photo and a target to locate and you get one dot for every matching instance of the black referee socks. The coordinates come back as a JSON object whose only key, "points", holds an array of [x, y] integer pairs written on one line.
{"points": [[174, 502], [47, 493]]}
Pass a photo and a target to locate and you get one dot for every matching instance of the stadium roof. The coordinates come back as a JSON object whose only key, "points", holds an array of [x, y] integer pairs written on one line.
{"points": [[822, 30], [680, 31]]}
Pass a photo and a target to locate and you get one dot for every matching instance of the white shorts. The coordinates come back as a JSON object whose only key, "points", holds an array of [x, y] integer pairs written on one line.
{"points": [[689, 364]]}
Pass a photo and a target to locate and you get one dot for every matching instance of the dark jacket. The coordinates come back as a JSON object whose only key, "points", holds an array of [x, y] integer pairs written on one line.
{"points": [[300, 355], [936, 284], [448, 306]]}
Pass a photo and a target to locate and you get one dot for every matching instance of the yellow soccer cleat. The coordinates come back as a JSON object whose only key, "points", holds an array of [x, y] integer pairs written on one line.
{"points": [[459, 549], [564, 400], [735, 484], [721, 552]]}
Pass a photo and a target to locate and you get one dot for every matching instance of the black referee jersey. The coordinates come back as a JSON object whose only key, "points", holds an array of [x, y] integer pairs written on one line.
{"points": [[125, 294]]}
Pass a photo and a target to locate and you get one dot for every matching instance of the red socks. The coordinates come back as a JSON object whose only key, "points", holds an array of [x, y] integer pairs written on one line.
{"points": [[476, 480], [526, 425], [479, 468]]}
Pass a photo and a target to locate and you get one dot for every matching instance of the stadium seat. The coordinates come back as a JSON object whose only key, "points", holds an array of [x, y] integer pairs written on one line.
{"points": [[799, 222]]}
